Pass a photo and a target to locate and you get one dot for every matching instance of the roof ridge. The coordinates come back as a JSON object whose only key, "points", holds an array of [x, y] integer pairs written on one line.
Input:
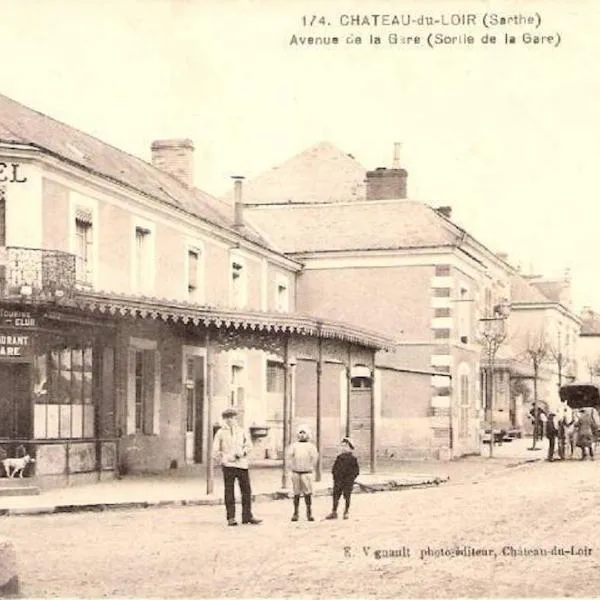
{"points": [[90, 135]]}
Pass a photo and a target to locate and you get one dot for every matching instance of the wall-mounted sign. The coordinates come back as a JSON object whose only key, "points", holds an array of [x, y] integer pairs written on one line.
{"points": [[14, 346], [17, 318], [11, 173]]}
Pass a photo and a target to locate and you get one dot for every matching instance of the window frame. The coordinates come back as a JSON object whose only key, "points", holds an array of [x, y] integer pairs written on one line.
{"points": [[198, 294], [84, 209], [238, 292], [143, 264]]}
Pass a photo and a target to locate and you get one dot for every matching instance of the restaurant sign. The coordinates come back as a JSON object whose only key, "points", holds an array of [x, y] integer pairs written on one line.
{"points": [[14, 346]]}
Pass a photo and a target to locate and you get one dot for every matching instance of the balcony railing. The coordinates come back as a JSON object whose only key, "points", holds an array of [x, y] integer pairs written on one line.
{"points": [[35, 273]]}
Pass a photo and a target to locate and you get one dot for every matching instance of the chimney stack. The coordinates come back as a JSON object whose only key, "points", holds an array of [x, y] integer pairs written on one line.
{"points": [[238, 206], [175, 157], [386, 184], [396, 162]]}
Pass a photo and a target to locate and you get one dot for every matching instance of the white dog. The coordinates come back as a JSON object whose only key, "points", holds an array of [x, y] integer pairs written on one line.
{"points": [[12, 466]]}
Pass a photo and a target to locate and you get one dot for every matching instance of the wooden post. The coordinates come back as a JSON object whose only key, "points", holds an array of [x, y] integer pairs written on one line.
{"points": [[373, 446], [286, 409], [319, 440], [210, 475], [348, 387]]}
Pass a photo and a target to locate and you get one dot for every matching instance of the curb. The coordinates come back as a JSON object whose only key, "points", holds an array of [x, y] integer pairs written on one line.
{"points": [[360, 488]]}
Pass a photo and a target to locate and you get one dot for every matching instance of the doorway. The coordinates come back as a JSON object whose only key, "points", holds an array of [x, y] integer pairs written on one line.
{"points": [[194, 403], [15, 402]]}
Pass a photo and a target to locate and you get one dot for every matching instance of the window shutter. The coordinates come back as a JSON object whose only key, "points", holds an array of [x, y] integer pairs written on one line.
{"points": [[148, 391], [130, 428]]}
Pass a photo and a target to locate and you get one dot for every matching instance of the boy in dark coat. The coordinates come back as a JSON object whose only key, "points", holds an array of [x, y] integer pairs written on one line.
{"points": [[345, 470]]}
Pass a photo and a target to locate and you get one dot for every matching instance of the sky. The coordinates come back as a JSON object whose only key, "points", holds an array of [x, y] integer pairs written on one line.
{"points": [[508, 135]]}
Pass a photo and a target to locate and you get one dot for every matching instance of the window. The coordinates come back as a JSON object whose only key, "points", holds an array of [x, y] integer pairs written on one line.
{"points": [[441, 292], [193, 266], [143, 389], [83, 247], [275, 377], [360, 383], [441, 312], [237, 390], [142, 237], [488, 303], [441, 334], [282, 299], [465, 315], [238, 283], [64, 403], [442, 270], [463, 416]]}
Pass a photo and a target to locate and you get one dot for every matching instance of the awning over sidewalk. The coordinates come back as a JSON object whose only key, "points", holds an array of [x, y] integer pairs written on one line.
{"points": [[203, 315]]}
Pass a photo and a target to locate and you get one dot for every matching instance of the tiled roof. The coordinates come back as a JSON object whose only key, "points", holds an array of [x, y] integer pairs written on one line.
{"points": [[322, 173], [590, 323], [553, 290], [366, 225], [22, 125], [523, 292]]}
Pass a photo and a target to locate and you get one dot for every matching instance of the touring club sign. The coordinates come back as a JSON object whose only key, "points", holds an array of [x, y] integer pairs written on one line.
{"points": [[15, 340]]}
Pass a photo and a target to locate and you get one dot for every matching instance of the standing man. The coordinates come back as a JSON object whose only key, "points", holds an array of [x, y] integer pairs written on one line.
{"points": [[551, 434], [231, 448]]}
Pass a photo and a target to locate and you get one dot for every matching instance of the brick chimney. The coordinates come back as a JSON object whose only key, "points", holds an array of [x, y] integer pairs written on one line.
{"points": [[175, 157], [386, 184]]}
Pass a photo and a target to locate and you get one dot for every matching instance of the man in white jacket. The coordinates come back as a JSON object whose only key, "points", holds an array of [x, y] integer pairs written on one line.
{"points": [[231, 448]]}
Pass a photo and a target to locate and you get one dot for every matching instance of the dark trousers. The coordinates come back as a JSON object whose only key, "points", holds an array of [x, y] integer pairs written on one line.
{"points": [[339, 488], [230, 474], [551, 443]]}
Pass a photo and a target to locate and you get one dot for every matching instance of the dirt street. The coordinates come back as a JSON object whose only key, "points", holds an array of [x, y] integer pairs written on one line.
{"points": [[527, 531]]}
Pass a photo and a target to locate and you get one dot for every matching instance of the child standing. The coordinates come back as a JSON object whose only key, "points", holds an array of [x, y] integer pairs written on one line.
{"points": [[302, 457], [345, 470]]}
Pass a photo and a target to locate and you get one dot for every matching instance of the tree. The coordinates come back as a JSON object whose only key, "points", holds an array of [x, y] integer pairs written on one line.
{"points": [[491, 336], [593, 366], [537, 352]]}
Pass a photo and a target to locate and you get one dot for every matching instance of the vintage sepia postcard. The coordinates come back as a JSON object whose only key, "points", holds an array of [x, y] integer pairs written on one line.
{"points": [[299, 299]]}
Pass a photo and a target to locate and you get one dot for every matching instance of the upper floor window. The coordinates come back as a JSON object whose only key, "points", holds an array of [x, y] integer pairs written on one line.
{"points": [[83, 237], [84, 246], [464, 311], [282, 296], [195, 274], [238, 282], [143, 259]]}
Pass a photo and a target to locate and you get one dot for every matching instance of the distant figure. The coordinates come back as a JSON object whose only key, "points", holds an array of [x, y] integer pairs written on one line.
{"points": [[566, 433], [231, 448], [345, 470], [302, 456], [551, 434], [586, 428]]}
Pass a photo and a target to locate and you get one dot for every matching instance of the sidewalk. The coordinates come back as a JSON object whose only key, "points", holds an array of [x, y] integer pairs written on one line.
{"points": [[187, 486]]}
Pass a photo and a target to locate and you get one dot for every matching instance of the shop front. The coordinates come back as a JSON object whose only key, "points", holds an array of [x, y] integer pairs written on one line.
{"points": [[57, 400]]}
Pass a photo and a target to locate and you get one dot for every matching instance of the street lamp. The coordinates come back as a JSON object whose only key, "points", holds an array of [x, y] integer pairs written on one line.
{"points": [[492, 335]]}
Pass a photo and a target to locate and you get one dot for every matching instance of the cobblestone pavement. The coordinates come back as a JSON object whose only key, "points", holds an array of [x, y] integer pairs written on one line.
{"points": [[526, 531]]}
